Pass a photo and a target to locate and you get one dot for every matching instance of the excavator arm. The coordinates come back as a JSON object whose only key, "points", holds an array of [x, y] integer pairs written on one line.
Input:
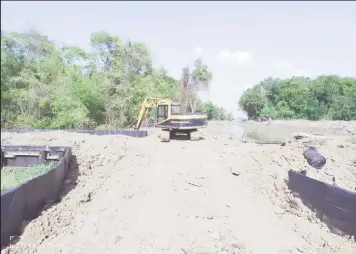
{"points": [[146, 106]]}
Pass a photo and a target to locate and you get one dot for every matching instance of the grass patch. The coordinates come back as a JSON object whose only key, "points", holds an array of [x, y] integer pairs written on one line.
{"points": [[351, 140], [15, 176], [260, 136], [266, 133]]}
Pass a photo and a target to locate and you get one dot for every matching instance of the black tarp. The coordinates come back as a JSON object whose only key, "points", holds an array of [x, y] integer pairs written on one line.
{"points": [[337, 204], [25, 201], [314, 158], [131, 133]]}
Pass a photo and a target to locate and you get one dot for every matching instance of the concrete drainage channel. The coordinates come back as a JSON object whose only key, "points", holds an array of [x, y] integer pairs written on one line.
{"points": [[24, 201]]}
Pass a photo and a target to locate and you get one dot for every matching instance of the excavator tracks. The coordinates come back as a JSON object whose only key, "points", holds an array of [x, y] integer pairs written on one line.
{"points": [[194, 136], [165, 136]]}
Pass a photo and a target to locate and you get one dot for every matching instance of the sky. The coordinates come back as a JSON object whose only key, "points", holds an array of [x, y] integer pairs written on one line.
{"points": [[242, 42]]}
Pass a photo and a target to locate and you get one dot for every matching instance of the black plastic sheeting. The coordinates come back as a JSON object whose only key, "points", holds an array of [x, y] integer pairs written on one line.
{"points": [[131, 133], [25, 201], [26, 159], [314, 158], [334, 205]]}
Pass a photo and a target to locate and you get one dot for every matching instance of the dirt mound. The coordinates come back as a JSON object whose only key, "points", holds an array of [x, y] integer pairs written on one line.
{"points": [[143, 196], [93, 160]]}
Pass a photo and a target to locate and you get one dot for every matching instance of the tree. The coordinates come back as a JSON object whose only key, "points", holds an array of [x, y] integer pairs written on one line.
{"points": [[47, 86], [330, 97], [200, 79], [213, 112]]}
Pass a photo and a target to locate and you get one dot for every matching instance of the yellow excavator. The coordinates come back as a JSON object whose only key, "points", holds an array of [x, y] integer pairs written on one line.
{"points": [[170, 119]]}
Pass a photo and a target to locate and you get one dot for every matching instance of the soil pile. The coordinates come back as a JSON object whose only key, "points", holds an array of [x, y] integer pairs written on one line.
{"points": [[219, 195]]}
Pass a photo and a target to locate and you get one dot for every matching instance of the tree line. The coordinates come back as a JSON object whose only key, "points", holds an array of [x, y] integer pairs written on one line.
{"points": [[327, 97], [47, 86]]}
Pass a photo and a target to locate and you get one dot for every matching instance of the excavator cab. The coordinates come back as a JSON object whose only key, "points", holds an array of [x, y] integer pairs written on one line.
{"points": [[162, 113], [170, 119], [166, 110]]}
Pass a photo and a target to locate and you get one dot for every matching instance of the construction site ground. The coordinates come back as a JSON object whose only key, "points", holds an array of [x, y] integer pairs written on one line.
{"points": [[223, 194]]}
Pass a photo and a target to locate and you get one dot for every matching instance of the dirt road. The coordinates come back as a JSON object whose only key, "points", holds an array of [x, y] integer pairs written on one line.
{"points": [[143, 196]]}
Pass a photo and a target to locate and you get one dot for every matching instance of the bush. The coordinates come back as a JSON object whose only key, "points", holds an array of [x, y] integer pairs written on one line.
{"points": [[214, 112]]}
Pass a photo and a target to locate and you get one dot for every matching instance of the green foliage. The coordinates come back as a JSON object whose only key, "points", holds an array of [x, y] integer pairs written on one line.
{"points": [[49, 87], [351, 140], [213, 112], [13, 177], [201, 75], [200, 79], [326, 97]]}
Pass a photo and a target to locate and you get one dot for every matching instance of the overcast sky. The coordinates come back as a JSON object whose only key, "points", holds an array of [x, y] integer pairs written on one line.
{"points": [[242, 42]]}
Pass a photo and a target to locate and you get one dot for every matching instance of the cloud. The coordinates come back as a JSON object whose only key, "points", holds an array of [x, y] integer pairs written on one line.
{"points": [[198, 51], [237, 57]]}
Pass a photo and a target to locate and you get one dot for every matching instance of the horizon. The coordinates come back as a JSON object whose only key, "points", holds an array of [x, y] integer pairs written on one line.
{"points": [[242, 43]]}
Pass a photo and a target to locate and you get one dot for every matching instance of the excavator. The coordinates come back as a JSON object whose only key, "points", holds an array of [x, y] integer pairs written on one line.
{"points": [[170, 119]]}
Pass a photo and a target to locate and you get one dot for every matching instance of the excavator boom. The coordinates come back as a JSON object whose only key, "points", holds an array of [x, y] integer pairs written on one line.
{"points": [[146, 106]]}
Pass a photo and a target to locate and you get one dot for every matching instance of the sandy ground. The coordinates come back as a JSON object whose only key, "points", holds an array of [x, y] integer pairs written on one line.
{"points": [[127, 195]]}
